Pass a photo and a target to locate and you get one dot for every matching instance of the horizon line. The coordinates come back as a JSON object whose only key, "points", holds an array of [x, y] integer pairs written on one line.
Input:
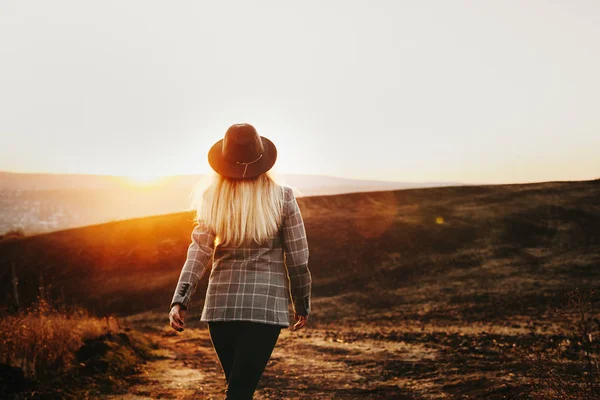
{"points": [[309, 174]]}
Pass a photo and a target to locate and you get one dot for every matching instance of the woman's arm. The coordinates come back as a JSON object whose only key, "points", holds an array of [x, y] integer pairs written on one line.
{"points": [[199, 252], [296, 256]]}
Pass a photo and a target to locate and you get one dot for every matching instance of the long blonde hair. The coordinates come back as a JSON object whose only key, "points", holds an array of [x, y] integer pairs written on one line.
{"points": [[240, 211]]}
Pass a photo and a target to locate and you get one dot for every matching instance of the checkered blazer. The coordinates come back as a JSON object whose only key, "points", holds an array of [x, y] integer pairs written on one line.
{"points": [[254, 282]]}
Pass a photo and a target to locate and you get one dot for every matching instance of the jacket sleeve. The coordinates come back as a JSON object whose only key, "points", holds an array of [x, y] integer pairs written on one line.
{"points": [[199, 253], [296, 255]]}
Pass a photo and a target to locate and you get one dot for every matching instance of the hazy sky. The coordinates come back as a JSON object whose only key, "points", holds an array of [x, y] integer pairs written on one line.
{"points": [[471, 91]]}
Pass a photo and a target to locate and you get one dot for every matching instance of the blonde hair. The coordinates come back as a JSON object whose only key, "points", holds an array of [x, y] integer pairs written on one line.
{"points": [[240, 211]]}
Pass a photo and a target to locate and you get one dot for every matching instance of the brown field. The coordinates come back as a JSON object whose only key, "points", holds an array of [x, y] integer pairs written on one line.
{"points": [[421, 293]]}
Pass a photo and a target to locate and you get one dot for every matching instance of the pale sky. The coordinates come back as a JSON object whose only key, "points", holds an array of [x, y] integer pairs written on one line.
{"points": [[470, 91]]}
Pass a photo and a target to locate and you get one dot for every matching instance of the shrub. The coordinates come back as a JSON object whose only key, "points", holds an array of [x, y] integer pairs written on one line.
{"points": [[13, 234], [42, 341], [568, 367]]}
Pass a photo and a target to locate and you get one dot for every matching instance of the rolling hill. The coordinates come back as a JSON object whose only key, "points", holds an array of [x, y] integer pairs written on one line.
{"points": [[496, 250]]}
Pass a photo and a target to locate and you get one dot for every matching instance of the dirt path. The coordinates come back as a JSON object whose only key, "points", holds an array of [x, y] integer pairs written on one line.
{"points": [[304, 365], [365, 361], [183, 367]]}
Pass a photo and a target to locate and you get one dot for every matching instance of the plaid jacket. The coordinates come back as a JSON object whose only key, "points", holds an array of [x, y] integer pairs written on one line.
{"points": [[251, 283]]}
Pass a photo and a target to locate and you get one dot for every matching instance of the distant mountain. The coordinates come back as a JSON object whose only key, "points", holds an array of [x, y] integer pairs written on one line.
{"points": [[39, 203], [309, 185], [313, 185], [34, 181]]}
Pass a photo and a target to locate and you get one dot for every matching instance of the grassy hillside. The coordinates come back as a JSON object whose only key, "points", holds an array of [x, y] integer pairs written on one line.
{"points": [[474, 252], [421, 293]]}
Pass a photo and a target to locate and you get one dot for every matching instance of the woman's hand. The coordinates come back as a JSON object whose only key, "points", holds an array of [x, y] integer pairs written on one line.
{"points": [[176, 317], [301, 320]]}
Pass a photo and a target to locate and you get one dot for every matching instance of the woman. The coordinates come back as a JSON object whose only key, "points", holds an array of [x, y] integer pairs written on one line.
{"points": [[254, 232]]}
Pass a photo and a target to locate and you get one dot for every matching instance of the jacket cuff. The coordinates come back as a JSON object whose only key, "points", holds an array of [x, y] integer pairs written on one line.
{"points": [[183, 294], [181, 304], [302, 306]]}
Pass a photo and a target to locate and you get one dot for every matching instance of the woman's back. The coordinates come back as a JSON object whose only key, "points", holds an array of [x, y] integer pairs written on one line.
{"points": [[251, 282]]}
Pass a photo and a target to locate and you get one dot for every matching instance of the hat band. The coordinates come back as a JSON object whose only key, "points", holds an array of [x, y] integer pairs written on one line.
{"points": [[247, 163]]}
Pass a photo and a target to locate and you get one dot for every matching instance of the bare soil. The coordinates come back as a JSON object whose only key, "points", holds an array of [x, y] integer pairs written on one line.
{"points": [[343, 362], [307, 364]]}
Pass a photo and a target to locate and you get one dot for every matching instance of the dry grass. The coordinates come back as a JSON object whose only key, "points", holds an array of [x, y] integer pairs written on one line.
{"points": [[13, 234], [568, 366], [42, 340]]}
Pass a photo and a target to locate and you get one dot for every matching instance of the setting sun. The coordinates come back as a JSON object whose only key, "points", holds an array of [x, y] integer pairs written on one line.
{"points": [[143, 179]]}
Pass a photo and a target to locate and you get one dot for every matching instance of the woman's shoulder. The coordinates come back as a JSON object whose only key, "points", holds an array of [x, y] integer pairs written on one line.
{"points": [[289, 199], [289, 192], [289, 204]]}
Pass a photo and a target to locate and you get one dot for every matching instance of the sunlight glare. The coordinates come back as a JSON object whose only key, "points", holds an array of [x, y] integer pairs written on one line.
{"points": [[143, 179]]}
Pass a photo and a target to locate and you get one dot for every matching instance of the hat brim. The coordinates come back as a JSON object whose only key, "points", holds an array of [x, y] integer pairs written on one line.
{"points": [[236, 171]]}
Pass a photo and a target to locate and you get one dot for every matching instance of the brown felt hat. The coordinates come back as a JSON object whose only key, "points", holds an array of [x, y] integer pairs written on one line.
{"points": [[242, 153]]}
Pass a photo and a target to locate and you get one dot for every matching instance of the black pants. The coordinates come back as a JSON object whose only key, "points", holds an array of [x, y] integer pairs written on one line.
{"points": [[243, 348]]}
